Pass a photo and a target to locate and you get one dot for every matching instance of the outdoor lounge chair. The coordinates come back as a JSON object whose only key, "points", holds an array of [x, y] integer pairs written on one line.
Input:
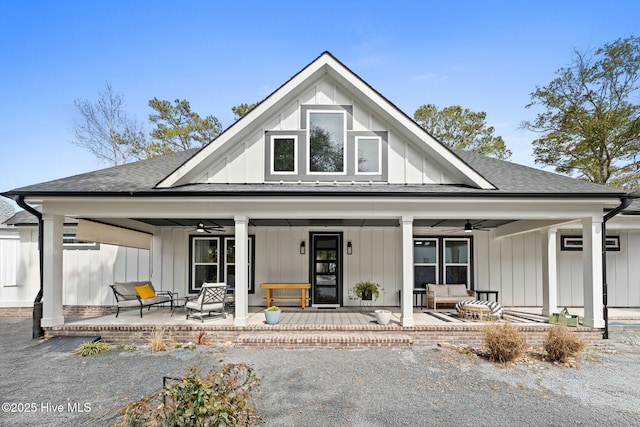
{"points": [[139, 294], [210, 302]]}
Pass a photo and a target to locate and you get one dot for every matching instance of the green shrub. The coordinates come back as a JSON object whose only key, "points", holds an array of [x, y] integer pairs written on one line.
{"points": [[504, 342], [90, 348], [221, 398], [562, 344]]}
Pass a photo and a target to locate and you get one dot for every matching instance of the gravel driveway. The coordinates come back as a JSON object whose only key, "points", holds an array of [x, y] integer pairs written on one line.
{"points": [[420, 386]]}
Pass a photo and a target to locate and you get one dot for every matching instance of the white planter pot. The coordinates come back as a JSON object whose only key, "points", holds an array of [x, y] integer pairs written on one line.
{"points": [[383, 316]]}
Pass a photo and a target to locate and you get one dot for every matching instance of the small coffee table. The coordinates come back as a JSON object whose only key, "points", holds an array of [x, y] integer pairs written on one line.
{"points": [[476, 312]]}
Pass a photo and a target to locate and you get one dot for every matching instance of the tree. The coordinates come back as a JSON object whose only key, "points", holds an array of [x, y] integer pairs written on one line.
{"points": [[461, 129], [178, 128], [591, 126], [324, 154], [241, 110], [105, 129]]}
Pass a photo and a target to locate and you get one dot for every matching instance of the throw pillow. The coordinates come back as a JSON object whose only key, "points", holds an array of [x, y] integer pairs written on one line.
{"points": [[145, 291], [440, 290]]}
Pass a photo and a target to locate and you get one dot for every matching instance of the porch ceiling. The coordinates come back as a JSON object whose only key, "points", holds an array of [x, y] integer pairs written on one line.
{"points": [[309, 222]]}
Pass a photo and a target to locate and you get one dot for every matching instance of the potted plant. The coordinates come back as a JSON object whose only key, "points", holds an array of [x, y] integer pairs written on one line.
{"points": [[272, 315], [365, 290]]}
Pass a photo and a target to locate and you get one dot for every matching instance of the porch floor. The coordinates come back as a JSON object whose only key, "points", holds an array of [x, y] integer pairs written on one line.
{"points": [[339, 316], [345, 327]]}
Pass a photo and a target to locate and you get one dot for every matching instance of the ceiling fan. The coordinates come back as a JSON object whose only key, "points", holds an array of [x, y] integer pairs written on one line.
{"points": [[201, 228], [468, 227]]}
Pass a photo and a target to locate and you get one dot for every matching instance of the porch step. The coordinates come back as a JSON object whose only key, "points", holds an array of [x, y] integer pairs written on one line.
{"points": [[326, 340]]}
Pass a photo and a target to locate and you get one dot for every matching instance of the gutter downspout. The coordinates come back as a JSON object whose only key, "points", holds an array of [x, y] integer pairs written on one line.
{"points": [[38, 332], [624, 203]]}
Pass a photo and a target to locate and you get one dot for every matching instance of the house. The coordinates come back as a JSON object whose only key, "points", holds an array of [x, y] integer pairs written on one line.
{"points": [[327, 182]]}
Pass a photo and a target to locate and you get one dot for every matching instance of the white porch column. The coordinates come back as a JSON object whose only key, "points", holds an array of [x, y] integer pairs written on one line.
{"points": [[549, 271], [242, 282], [52, 281], [592, 272], [406, 305]]}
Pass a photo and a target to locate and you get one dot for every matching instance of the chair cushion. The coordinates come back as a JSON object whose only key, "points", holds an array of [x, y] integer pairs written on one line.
{"points": [[458, 291], [439, 290], [145, 291], [206, 307]]}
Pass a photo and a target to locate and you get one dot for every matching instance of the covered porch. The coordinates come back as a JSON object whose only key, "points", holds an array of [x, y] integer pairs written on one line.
{"points": [[377, 246]]}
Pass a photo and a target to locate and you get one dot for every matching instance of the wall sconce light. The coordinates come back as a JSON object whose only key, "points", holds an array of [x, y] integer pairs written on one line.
{"points": [[349, 248], [302, 248]]}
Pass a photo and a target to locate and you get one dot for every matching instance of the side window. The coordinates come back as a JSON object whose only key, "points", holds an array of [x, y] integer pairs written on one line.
{"points": [[368, 156], [284, 152]]}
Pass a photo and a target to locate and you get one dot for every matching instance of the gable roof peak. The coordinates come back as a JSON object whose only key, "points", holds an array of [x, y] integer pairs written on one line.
{"points": [[328, 64]]}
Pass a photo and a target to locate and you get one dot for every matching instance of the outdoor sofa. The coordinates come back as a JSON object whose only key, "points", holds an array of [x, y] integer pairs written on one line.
{"points": [[139, 294], [447, 294]]}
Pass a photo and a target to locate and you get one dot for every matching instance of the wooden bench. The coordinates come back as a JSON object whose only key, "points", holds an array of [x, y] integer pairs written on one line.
{"points": [[269, 287]]}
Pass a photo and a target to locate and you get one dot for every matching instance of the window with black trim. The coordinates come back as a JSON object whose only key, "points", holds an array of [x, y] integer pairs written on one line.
{"points": [[213, 259], [425, 262], [445, 260], [574, 243], [69, 241]]}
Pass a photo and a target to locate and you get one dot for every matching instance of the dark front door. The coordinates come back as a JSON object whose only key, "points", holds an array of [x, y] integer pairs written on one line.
{"points": [[326, 268]]}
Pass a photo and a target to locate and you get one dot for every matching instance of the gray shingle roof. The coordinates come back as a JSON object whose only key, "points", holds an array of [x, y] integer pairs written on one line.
{"points": [[25, 218], [141, 177]]}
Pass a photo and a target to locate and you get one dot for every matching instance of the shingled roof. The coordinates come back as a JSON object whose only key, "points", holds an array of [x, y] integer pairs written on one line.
{"points": [[140, 178]]}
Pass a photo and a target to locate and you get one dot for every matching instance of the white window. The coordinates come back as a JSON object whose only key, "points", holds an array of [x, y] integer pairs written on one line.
{"points": [[368, 155], [326, 138], [284, 155], [9, 247]]}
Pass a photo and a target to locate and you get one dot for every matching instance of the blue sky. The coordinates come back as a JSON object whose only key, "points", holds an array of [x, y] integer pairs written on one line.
{"points": [[483, 55]]}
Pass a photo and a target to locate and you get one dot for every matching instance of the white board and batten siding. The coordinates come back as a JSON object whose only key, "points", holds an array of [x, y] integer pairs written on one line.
{"points": [[245, 162], [376, 257], [623, 274], [86, 274], [510, 265]]}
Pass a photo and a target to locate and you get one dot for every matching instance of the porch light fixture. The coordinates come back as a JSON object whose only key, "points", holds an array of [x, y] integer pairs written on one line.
{"points": [[468, 228], [349, 248], [302, 248], [200, 228]]}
